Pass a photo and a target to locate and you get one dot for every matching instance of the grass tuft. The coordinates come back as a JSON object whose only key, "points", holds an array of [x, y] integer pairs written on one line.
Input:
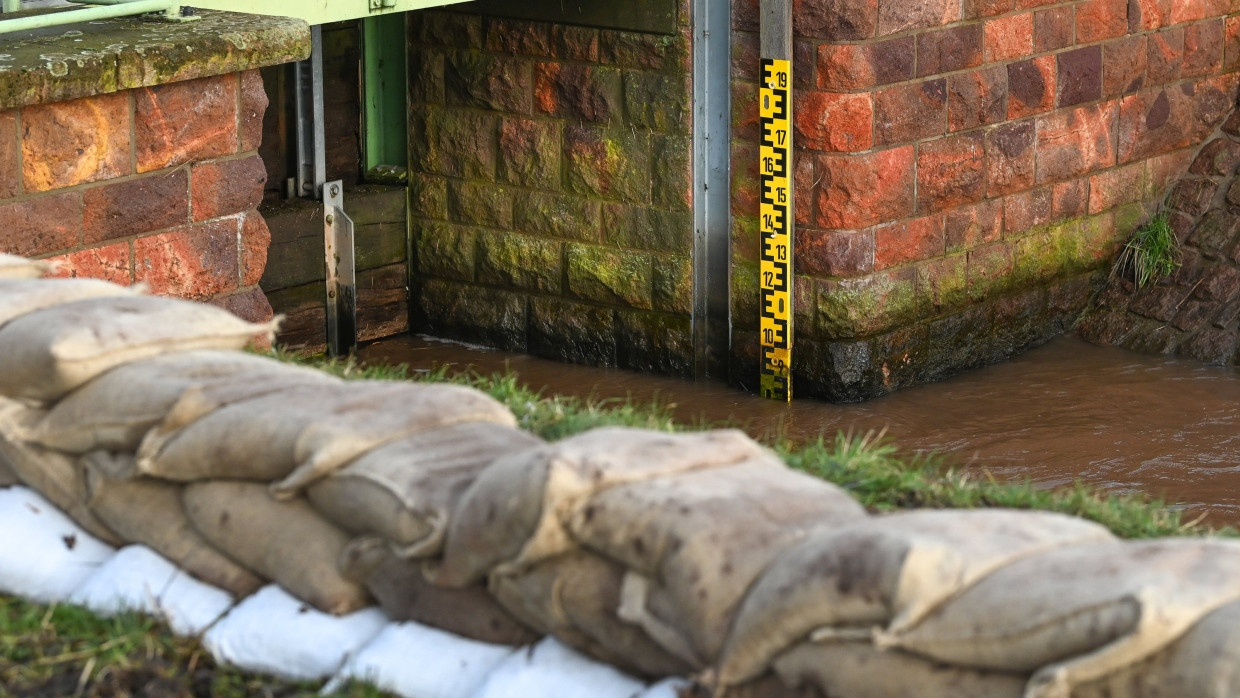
{"points": [[1153, 253]]}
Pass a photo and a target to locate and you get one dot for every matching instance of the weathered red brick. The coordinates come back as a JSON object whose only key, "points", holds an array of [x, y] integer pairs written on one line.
{"points": [[859, 66], [249, 304], [1080, 75], [834, 252], [967, 227], [1026, 210], [1115, 187], [806, 184], [516, 36], [254, 105], [976, 98], [1010, 158], [746, 119], [834, 122], [895, 16], [1031, 87], [110, 263], [908, 241], [1009, 37], [951, 171], [1098, 20], [10, 172], [837, 21], [987, 8], [74, 142], [197, 261], [225, 187], [988, 267], [1165, 56], [1053, 28], [856, 191], [1162, 171], [1148, 14], [747, 18], [1192, 10], [1033, 4], [255, 241], [1192, 195], [576, 91], [1069, 199], [1078, 141], [949, 50], [943, 283], [1218, 158], [1123, 65], [180, 122], [41, 225], [910, 112], [746, 185], [135, 206], [1203, 48], [1153, 122]]}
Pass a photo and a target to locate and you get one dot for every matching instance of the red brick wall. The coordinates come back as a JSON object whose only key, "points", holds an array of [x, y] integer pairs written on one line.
{"points": [[155, 185], [954, 154]]}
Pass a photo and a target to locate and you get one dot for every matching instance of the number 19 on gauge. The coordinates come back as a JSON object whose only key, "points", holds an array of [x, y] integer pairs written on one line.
{"points": [[776, 221]]}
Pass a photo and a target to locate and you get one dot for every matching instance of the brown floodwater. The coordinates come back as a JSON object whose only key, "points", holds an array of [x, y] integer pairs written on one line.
{"points": [[1066, 411]]}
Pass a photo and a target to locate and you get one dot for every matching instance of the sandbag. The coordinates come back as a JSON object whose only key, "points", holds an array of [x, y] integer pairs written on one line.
{"points": [[115, 410], [52, 351], [886, 571], [57, 477], [405, 491], [267, 437], [150, 512], [14, 267], [859, 670], [287, 542], [576, 598], [694, 542], [8, 478], [511, 514], [21, 296], [551, 669], [1078, 614], [43, 555], [405, 594]]}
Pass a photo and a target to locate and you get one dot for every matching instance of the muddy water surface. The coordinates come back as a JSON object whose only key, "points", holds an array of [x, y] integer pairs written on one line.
{"points": [[1066, 411]]}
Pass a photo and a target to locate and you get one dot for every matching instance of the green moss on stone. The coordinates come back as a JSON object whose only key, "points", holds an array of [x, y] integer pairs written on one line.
{"points": [[611, 276], [520, 261], [860, 307], [673, 284], [445, 250]]}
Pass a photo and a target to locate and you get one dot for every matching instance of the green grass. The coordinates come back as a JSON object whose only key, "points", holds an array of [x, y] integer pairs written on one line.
{"points": [[1153, 253]]}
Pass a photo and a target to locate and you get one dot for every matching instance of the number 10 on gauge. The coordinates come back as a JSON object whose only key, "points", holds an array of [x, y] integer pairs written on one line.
{"points": [[776, 221]]}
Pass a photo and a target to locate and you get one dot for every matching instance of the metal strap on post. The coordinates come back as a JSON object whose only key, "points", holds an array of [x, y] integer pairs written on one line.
{"points": [[341, 273]]}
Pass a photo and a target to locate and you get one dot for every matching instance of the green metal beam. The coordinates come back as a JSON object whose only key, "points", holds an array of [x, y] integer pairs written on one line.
{"points": [[386, 122], [170, 8], [321, 11]]}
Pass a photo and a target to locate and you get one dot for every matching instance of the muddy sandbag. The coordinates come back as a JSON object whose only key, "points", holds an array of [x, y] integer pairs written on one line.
{"points": [[405, 491], [1203, 663], [52, 351], [150, 512], [14, 267], [694, 542], [56, 476], [266, 438], [115, 410], [1080, 613], [576, 597], [859, 670], [21, 296], [511, 515], [404, 593], [287, 542], [886, 571]]}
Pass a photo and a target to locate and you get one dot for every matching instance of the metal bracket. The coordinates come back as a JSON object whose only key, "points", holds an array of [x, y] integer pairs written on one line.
{"points": [[341, 273], [308, 98]]}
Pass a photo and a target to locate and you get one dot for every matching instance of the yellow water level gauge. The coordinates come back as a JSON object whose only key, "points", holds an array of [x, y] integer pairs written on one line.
{"points": [[776, 220]]}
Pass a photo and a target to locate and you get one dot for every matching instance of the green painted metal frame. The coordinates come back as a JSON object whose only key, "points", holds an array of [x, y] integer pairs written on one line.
{"points": [[386, 122], [321, 11], [100, 9]]}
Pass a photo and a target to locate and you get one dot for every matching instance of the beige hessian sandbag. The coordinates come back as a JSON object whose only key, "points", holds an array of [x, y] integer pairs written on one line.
{"points": [[404, 593], [695, 541], [859, 670], [52, 351], [7, 476], [14, 267], [115, 410], [886, 571], [511, 515], [406, 491], [1203, 663], [21, 296], [286, 542], [576, 598], [150, 512], [57, 477], [1080, 613], [320, 427], [767, 686]]}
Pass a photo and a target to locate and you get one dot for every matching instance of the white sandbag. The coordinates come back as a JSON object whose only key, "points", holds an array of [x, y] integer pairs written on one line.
{"points": [[886, 571], [21, 296], [137, 578], [1081, 613], [512, 514], [416, 661], [405, 491], [52, 351], [44, 556], [667, 688], [274, 633], [115, 410], [551, 669], [14, 267]]}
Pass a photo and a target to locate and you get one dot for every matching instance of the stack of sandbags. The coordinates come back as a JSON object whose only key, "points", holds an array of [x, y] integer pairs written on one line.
{"points": [[634, 546]]}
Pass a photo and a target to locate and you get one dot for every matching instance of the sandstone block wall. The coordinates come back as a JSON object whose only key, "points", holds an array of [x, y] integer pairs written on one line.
{"points": [[550, 188]]}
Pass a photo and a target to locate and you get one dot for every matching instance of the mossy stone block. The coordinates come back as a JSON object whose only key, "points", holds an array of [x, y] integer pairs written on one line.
{"points": [[610, 276], [520, 261]]}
